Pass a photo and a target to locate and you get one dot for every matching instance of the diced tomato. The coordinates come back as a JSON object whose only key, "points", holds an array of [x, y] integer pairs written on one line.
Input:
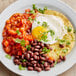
{"points": [[7, 49], [27, 42], [26, 16], [6, 43], [29, 37], [20, 53], [27, 10], [51, 58]]}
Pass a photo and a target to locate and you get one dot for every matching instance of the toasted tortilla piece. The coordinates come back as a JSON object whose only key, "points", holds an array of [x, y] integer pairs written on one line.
{"points": [[69, 37]]}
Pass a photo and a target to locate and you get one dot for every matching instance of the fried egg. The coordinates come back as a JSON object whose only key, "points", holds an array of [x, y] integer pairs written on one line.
{"points": [[48, 28]]}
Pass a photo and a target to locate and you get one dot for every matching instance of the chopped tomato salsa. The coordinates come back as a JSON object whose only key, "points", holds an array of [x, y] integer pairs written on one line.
{"points": [[15, 33]]}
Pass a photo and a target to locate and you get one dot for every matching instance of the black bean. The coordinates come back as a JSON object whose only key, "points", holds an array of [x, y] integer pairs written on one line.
{"points": [[60, 57], [46, 45], [35, 41], [27, 56], [50, 61], [38, 65], [39, 43], [38, 69], [32, 54], [32, 48], [59, 60], [38, 47], [52, 65], [61, 45], [24, 64], [30, 68], [42, 45], [35, 65], [42, 58], [22, 56], [28, 31], [29, 64], [47, 68], [31, 59], [42, 66], [17, 62], [35, 57], [17, 57], [64, 58], [29, 51], [34, 44], [40, 50], [36, 53], [44, 55], [33, 62], [45, 64]]}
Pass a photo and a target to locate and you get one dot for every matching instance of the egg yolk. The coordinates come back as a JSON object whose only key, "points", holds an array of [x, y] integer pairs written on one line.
{"points": [[37, 32]]}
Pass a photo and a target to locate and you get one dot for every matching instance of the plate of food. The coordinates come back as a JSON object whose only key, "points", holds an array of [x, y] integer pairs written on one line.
{"points": [[38, 37]]}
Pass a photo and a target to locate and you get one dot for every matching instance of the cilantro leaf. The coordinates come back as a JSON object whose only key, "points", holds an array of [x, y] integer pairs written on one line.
{"points": [[62, 41], [44, 24], [69, 29], [34, 6], [32, 11], [65, 50], [22, 42], [17, 40], [8, 56], [24, 60], [44, 37], [45, 50], [18, 32], [21, 68], [28, 47], [52, 33]]}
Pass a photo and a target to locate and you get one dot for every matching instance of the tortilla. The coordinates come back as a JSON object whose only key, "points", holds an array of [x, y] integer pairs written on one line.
{"points": [[69, 37]]}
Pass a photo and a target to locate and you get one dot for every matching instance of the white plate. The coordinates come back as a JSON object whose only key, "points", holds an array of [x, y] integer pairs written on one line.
{"points": [[20, 6]]}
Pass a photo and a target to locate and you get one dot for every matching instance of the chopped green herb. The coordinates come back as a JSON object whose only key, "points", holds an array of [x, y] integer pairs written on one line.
{"points": [[45, 8], [45, 50], [18, 32], [62, 41], [17, 40], [65, 50], [43, 62], [34, 6], [24, 60], [28, 47], [32, 11], [69, 29], [52, 33], [30, 19], [74, 31], [38, 22], [44, 24], [21, 68], [22, 42], [68, 43], [55, 63], [8, 56], [57, 38], [41, 11], [44, 37]]}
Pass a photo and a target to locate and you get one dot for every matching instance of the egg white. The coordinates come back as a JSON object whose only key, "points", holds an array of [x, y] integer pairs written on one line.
{"points": [[55, 23]]}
